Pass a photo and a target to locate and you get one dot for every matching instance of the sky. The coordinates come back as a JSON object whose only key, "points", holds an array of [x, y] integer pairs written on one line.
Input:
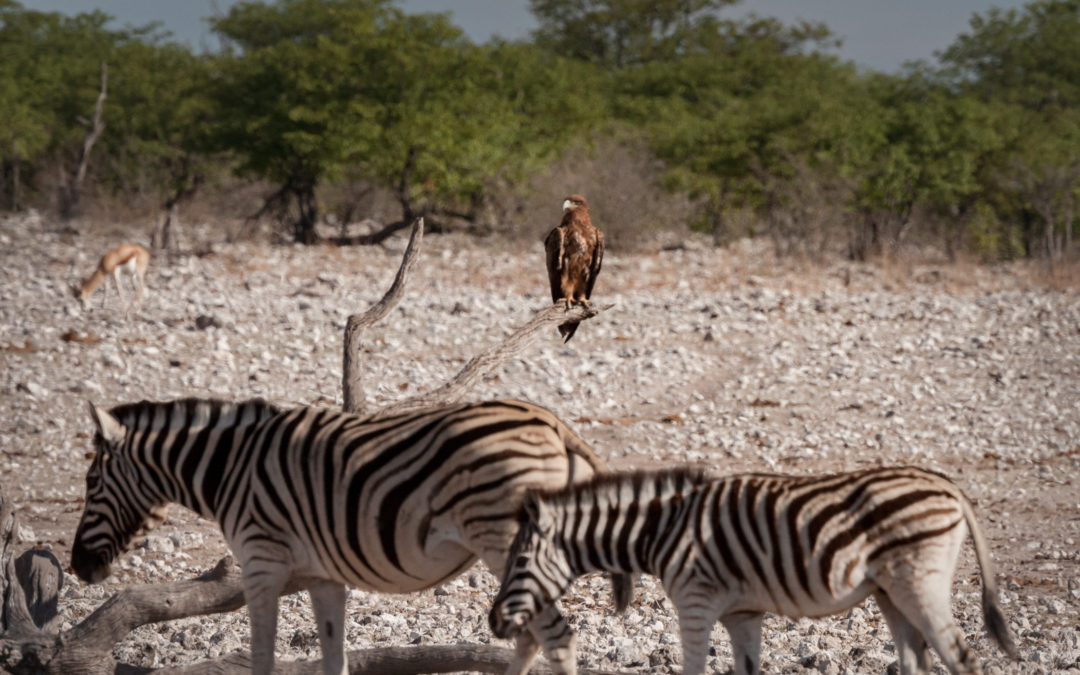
{"points": [[877, 34]]}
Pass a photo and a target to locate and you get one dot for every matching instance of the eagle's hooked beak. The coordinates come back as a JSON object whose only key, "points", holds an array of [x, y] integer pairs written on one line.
{"points": [[567, 205]]}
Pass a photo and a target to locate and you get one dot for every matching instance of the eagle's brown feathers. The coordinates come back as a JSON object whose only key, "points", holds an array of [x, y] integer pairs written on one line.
{"points": [[575, 250]]}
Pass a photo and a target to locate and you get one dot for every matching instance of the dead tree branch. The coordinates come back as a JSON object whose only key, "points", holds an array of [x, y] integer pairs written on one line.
{"points": [[385, 660], [94, 128], [87, 648], [476, 369], [371, 238], [484, 363], [352, 367]]}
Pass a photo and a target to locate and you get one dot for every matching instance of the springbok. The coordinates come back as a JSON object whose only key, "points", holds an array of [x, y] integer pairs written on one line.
{"points": [[125, 257]]}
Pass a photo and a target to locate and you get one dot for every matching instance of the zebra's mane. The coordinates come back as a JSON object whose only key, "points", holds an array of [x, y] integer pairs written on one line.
{"points": [[689, 477], [128, 413], [682, 475]]}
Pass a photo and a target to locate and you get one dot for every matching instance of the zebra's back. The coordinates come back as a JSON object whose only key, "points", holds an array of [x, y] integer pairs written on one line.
{"points": [[402, 503], [810, 546]]}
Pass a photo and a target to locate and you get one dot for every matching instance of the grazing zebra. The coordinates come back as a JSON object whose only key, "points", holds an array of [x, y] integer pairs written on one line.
{"points": [[397, 505], [734, 548]]}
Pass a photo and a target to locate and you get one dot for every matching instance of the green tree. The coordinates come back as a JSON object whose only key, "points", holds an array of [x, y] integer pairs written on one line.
{"points": [[928, 147], [159, 147], [50, 64], [1027, 64], [289, 95], [403, 101], [620, 33], [741, 116], [1024, 57], [508, 109]]}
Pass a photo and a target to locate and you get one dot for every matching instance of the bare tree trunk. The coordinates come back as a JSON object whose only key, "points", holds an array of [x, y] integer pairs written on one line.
{"points": [[70, 204], [373, 238], [186, 186], [404, 195], [1068, 218], [352, 367], [304, 228], [16, 179], [164, 236]]}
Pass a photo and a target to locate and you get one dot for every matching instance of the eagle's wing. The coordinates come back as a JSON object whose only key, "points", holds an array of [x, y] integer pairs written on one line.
{"points": [[594, 266], [553, 245]]}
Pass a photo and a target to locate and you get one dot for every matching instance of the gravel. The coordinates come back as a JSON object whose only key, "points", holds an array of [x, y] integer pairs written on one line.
{"points": [[722, 357]]}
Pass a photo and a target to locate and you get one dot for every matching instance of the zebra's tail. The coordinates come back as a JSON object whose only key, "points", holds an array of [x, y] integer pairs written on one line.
{"points": [[622, 585], [992, 615]]}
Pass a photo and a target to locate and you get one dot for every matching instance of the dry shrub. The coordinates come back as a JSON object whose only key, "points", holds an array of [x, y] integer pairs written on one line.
{"points": [[621, 180], [807, 214], [353, 206], [1062, 276]]}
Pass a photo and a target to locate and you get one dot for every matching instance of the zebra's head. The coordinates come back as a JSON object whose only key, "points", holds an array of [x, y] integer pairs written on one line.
{"points": [[116, 511], [537, 571]]}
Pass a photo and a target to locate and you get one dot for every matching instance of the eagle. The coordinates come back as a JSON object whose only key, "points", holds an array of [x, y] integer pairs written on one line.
{"points": [[574, 251]]}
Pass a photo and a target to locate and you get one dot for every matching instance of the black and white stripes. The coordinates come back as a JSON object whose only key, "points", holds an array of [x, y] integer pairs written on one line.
{"points": [[733, 548], [396, 504]]}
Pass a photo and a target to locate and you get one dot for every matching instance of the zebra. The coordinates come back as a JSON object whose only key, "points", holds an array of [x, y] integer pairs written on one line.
{"points": [[732, 548], [327, 499]]}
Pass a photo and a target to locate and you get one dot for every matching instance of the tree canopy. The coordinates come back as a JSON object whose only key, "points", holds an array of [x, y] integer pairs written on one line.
{"points": [[754, 123]]}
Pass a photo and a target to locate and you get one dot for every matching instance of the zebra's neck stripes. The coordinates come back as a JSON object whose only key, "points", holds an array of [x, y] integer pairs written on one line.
{"points": [[186, 448]]}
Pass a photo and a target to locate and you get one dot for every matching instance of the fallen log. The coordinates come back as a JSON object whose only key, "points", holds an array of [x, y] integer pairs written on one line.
{"points": [[86, 649]]}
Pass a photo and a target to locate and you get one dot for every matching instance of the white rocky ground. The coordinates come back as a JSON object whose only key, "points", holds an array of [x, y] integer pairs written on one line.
{"points": [[716, 356]]}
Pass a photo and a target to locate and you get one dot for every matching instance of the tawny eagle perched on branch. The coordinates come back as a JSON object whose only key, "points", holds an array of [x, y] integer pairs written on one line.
{"points": [[574, 251]]}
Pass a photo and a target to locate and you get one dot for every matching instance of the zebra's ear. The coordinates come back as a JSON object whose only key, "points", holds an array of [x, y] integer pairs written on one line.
{"points": [[111, 430], [537, 511]]}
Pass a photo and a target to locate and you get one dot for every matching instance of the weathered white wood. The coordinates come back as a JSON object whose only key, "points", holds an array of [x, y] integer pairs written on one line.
{"points": [[40, 577], [486, 362], [94, 128], [352, 384]]}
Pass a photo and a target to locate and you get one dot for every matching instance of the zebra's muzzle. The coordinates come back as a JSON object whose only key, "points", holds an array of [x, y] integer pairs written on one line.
{"points": [[503, 627], [88, 566]]}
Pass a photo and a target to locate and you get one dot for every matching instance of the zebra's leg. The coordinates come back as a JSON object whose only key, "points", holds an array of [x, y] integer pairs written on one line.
{"points": [[918, 583], [697, 615], [912, 652], [928, 610], [551, 630], [744, 630], [525, 648], [263, 583], [328, 601]]}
